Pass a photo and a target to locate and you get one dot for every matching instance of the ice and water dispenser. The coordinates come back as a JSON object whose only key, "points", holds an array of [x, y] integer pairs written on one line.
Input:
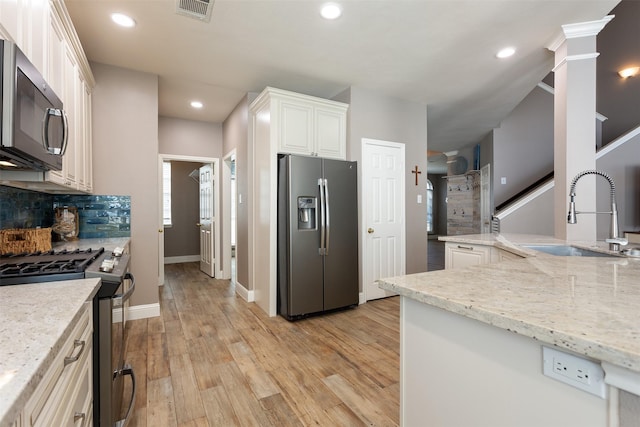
{"points": [[307, 213]]}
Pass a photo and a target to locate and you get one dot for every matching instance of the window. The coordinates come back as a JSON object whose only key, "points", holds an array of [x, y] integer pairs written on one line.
{"points": [[166, 194]]}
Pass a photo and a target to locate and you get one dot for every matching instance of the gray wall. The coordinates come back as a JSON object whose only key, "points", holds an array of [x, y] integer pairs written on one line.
{"points": [[186, 138], [617, 98], [125, 162], [189, 137], [236, 135], [534, 218], [183, 237], [523, 145], [623, 165], [375, 116]]}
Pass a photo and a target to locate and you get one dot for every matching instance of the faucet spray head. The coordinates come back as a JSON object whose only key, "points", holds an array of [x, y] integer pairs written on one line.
{"points": [[571, 217]]}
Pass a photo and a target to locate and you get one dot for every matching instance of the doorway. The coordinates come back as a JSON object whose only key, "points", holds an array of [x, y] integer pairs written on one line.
{"points": [[214, 163], [229, 206]]}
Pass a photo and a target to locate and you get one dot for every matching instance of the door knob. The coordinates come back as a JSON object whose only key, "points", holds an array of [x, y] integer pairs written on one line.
{"points": [[198, 224], [370, 230], [160, 230]]}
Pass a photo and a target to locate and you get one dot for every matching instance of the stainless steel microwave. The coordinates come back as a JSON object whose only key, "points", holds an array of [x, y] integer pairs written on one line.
{"points": [[34, 128]]}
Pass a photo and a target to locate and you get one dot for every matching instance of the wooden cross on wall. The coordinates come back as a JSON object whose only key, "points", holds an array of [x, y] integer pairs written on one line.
{"points": [[416, 171]]}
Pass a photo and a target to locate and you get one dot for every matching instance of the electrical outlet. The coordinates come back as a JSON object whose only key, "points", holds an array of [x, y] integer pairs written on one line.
{"points": [[575, 371]]}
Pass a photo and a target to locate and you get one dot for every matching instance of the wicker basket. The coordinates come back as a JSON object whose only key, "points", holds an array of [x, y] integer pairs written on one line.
{"points": [[21, 240]]}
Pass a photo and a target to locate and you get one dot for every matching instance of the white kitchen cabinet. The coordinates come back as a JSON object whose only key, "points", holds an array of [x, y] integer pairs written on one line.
{"points": [[460, 255], [26, 23], [85, 178], [67, 176], [306, 125], [44, 31], [9, 19], [65, 393], [283, 122]]}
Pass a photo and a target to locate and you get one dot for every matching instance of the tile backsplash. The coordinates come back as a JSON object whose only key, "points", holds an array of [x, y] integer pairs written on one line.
{"points": [[25, 209], [99, 216]]}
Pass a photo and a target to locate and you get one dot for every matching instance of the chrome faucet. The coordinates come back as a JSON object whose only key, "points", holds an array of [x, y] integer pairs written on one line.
{"points": [[614, 239]]}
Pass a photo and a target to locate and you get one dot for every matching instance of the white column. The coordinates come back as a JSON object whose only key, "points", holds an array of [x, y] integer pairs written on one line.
{"points": [[575, 126]]}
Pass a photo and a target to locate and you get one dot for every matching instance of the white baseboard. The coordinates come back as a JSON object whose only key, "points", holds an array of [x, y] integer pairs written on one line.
{"points": [[244, 293], [361, 298], [180, 259], [143, 311]]}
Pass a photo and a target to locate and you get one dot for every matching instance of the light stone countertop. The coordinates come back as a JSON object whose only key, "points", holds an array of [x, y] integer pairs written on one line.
{"points": [[589, 305], [35, 320]]}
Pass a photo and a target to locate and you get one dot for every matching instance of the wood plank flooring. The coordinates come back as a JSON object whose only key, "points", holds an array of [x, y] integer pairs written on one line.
{"points": [[211, 359]]}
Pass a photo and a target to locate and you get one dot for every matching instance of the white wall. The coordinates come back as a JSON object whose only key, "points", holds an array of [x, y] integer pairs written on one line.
{"points": [[457, 372], [125, 162]]}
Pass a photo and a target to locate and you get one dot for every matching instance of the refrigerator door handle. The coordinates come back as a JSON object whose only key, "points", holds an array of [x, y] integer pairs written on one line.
{"points": [[322, 216], [327, 215]]}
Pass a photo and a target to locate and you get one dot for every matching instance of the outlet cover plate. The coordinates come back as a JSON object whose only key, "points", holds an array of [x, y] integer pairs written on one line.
{"points": [[574, 371]]}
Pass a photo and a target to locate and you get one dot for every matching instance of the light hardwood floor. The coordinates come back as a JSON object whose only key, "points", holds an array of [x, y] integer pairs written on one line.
{"points": [[211, 359]]}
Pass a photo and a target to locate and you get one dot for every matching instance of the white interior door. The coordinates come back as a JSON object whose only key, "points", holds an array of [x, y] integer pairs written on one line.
{"points": [[207, 221], [383, 214]]}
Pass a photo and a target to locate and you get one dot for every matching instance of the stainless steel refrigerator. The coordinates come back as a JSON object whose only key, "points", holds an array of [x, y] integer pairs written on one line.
{"points": [[317, 235]]}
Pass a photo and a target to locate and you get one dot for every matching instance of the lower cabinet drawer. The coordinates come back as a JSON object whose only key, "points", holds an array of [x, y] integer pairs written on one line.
{"points": [[55, 390], [76, 405]]}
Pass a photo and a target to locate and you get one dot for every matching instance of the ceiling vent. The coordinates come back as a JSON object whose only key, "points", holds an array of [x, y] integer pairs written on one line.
{"points": [[196, 9]]}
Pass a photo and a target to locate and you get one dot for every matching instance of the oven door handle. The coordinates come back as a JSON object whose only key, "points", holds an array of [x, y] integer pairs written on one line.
{"points": [[119, 299], [128, 370]]}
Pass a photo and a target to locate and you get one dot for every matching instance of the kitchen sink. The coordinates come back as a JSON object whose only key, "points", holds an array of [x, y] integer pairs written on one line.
{"points": [[562, 250]]}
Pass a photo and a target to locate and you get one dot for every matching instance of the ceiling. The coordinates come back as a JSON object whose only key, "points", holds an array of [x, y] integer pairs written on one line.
{"points": [[440, 53]]}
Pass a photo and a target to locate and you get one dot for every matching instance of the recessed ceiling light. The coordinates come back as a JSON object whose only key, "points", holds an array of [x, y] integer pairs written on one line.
{"points": [[331, 11], [629, 72], [123, 20], [196, 104], [7, 163], [506, 52]]}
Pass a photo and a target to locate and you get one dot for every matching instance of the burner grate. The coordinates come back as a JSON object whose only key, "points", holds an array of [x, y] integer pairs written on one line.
{"points": [[46, 266]]}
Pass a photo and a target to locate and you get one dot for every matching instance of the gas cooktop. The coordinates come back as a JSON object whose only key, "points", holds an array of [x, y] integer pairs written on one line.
{"points": [[46, 266]]}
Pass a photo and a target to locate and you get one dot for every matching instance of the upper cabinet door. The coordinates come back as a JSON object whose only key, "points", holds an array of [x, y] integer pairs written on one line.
{"points": [[295, 128], [26, 23], [57, 53], [330, 133]]}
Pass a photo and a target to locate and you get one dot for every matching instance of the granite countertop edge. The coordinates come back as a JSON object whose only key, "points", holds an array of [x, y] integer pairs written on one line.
{"points": [[431, 288], [23, 365]]}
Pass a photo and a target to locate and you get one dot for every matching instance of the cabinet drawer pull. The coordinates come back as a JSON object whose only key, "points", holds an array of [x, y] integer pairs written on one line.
{"points": [[70, 359], [469, 248], [79, 416]]}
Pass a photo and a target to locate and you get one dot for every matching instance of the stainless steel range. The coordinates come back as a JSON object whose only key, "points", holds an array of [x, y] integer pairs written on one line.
{"points": [[117, 286]]}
